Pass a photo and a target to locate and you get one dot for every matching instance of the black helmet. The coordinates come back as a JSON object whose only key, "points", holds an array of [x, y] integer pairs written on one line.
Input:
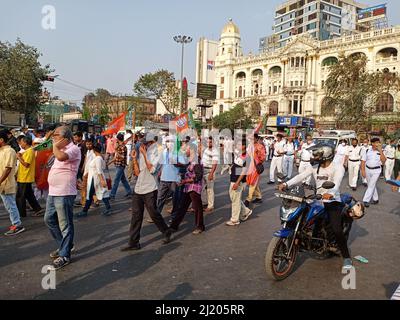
{"points": [[322, 152]]}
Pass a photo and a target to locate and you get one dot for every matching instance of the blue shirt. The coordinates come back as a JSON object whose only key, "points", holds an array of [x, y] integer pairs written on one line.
{"points": [[170, 173]]}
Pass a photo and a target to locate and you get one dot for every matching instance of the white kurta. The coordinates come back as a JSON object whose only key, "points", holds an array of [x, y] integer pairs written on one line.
{"points": [[96, 168]]}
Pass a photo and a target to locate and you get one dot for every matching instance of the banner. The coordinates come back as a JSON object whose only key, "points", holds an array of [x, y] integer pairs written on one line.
{"points": [[115, 126], [42, 168]]}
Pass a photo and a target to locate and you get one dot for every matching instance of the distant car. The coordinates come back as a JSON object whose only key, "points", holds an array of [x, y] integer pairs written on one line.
{"points": [[333, 137]]}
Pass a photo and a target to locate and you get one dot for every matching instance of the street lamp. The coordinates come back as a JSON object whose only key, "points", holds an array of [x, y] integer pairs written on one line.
{"points": [[182, 40]]}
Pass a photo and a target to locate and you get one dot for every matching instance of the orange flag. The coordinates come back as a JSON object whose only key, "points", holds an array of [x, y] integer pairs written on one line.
{"points": [[115, 126], [182, 123]]}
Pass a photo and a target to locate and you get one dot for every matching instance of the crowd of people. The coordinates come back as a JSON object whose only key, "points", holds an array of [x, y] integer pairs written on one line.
{"points": [[153, 169]]}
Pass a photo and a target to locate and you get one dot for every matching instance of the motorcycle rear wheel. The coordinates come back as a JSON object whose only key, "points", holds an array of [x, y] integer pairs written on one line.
{"points": [[275, 258]]}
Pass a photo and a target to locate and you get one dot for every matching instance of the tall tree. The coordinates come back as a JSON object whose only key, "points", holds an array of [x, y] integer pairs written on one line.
{"points": [[235, 118], [352, 92], [21, 76], [160, 85]]}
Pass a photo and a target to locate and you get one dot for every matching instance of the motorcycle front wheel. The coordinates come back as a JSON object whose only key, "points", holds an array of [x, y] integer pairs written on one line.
{"points": [[277, 265]]}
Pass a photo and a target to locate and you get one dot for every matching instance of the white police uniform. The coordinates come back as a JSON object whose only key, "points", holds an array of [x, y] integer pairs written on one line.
{"points": [[389, 153], [364, 149], [305, 160], [277, 159], [354, 163], [288, 159], [373, 168]]}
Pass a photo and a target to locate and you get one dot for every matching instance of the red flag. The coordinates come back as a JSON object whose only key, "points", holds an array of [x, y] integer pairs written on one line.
{"points": [[115, 126], [182, 123]]}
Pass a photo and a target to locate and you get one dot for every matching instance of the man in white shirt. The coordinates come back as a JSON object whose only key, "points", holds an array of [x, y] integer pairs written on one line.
{"points": [[371, 167], [389, 152], [145, 195], [341, 153], [305, 158], [288, 158], [354, 163], [364, 148], [210, 160], [277, 160], [228, 151], [128, 139]]}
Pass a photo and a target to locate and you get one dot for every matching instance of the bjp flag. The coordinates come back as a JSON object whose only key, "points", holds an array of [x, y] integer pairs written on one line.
{"points": [[115, 126], [182, 123]]}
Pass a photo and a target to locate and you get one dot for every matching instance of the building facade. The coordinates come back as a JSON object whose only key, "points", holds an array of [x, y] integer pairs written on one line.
{"points": [[290, 81], [205, 66], [323, 20]]}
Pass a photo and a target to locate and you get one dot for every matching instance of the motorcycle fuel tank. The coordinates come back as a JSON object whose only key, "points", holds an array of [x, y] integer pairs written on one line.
{"points": [[316, 209]]}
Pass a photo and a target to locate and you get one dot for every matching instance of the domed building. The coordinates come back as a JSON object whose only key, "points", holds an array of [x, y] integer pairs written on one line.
{"points": [[290, 80]]}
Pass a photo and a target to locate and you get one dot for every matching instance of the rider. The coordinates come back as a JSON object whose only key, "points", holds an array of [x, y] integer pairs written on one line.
{"points": [[327, 170]]}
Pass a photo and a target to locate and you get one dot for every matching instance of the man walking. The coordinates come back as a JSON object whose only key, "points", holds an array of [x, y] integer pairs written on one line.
{"points": [[277, 159], [62, 192], [210, 161], [354, 163], [288, 158], [389, 153], [145, 195], [371, 167], [364, 148], [305, 157], [120, 162], [8, 163]]}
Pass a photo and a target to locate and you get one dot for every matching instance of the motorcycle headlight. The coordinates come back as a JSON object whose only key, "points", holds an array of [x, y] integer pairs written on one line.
{"points": [[286, 212]]}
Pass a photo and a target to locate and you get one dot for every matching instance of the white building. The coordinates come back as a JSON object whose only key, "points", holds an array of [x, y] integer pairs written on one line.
{"points": [[205, 62], [290, 81]]}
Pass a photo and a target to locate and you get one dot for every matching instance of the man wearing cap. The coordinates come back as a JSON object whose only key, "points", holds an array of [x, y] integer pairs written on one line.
{"points": [[277, 159], [145, 195], [371, 166]]}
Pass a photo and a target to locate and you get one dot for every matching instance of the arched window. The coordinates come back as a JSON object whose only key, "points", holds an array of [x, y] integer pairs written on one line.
{"points": [[273, 108], [330, 61], [257, 72], [386, 53], [275, 71], [385, 103], [256, 109], [326, 109], [241, 75]]}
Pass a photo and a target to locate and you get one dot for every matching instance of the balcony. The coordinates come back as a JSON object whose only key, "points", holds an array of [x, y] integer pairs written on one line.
{"points": [[387, 60]]}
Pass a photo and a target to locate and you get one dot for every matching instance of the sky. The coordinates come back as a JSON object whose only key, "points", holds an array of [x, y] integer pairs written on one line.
{"points": [[109, 44]]}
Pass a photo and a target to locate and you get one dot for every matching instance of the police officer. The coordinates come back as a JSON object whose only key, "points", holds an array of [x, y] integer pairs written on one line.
{"points": [[364, 148], [354, 162], [389, 152], [372, 161], [277, 159], [305, 157]]}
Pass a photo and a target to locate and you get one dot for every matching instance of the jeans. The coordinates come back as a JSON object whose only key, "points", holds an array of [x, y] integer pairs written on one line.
{"points": [[25, 193], [120, 177], [176, 200], [89, 202], [288, 165], [187, 199], [11, 207], [59, 219], [139, 202]]}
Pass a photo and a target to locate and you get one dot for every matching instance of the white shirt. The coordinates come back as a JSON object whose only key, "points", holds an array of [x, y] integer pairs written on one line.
{"points": [[146, 182], [228, 146], [354, 153], [333, 173], [126, 137], [279, 147], [389, 151], [90, 155], [305, 154], [372, 158], [210, 157], [289, 149]]}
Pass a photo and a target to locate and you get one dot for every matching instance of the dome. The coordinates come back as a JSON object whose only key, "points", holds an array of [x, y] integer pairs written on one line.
{"points": [[230, 27]]}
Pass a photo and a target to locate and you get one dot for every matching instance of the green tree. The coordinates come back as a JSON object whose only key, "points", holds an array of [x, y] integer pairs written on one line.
{"points": [[21, 76], [352, 92], [235, 118], [104, 116], [86, 113], [160, 85]]}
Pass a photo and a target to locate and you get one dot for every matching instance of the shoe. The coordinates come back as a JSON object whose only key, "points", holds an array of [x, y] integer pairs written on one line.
{"points": [[81, 214], [209, 210], [112, 198], [14, 230], [247, 204], [39, 213], [375, 202], [257, 201], [231, 223], [55, 253], [197, 231], [59, 263], [247, 216], [365, 184], [271, 182], [347, 264], [106, 212], [366, 204], [167, 236], [131, 248]]}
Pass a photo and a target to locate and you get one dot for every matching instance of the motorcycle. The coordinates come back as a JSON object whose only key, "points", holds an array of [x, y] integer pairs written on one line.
{"points": [[305, 228]]}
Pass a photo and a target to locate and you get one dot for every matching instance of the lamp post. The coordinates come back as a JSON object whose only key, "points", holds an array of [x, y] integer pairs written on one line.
{"points": [[182, 40]]}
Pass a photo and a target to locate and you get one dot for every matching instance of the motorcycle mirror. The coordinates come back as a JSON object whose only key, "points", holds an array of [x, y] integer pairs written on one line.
{"points": [[328, 185]]}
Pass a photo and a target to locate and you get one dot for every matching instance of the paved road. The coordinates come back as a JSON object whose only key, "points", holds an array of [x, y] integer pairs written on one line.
{"points": [[222, 263]]}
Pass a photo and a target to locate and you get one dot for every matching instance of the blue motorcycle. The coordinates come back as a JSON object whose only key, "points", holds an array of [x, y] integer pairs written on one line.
{"points": [[305, 228]]}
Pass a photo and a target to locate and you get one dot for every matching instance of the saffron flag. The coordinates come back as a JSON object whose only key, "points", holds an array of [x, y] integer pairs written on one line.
{"points": [[182, 123], [115, 126], [43, 166]]}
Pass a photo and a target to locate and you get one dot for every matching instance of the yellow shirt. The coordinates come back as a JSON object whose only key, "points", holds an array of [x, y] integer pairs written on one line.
{"points": [[27, 175], [8, 159]]}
